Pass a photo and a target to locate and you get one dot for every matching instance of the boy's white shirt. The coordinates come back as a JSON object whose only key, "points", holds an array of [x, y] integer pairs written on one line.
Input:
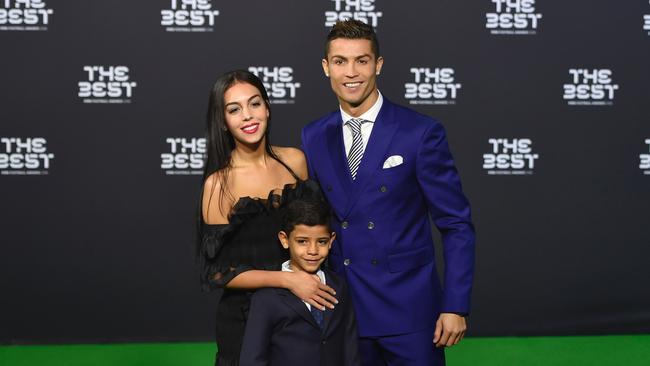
{"points": [[287, 268]]}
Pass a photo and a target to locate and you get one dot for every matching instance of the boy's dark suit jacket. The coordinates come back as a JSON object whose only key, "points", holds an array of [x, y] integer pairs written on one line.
{"points": [[281, 331]]}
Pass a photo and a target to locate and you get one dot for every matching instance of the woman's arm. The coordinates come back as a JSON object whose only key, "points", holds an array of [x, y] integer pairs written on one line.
{"points": [[305, 286]]}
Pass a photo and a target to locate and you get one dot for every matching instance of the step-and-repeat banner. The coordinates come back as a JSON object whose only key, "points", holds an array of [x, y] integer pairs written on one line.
{"points": [[546, 103]]}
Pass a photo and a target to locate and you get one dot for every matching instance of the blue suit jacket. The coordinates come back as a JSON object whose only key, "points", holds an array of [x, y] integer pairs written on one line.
{"points": [[384, 246], [281, 331]]}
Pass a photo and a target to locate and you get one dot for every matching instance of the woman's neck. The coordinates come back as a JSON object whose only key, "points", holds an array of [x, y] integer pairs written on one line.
{"points": [[250, 154]]}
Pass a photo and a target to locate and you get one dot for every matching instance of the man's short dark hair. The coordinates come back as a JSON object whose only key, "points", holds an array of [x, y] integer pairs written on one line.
{"points": [[310, 212], [353, 29]]}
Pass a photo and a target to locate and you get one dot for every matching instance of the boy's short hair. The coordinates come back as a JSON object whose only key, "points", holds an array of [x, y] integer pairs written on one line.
{"points": [[353, 29], [310, 212]]}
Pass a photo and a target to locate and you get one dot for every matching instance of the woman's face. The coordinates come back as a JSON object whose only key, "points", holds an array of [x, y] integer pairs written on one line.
{"points": [[246, 113]]}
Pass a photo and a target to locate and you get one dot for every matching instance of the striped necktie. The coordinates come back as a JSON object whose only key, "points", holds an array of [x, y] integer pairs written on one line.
{"points": [[356, 150]]}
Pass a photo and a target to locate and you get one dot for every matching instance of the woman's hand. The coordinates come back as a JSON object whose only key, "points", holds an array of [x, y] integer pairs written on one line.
{"points": [[309, 289]]}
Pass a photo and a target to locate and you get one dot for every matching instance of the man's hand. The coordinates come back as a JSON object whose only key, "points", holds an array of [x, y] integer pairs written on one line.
{"points": [[450, 329]]}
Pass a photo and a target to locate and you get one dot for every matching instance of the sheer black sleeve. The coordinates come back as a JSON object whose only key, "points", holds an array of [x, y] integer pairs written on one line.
{"points": [[214, 272]]}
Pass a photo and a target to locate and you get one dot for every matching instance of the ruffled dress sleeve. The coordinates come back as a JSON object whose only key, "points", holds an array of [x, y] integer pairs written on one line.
{"points": [[215, 274]]}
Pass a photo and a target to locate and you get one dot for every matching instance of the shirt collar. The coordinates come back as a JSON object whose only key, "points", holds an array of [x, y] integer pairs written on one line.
{"points": [[287, 268], [370, 115]]}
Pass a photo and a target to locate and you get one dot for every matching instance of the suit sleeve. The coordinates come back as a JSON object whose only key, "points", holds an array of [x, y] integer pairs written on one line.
{"points": [[259, 329], [304, 145], [351, 346], [439, 182]]}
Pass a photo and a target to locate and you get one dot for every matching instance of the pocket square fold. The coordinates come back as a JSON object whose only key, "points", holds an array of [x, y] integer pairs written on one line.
{"points": [[393, 161]]}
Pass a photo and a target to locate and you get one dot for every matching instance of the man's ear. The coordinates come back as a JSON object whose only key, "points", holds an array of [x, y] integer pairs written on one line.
{"points": [[378, 65], [284, 239], [325, 65]]}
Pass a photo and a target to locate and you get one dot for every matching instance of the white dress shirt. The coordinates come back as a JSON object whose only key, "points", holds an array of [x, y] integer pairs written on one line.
{"points": [[366, 128], [286, 267]]}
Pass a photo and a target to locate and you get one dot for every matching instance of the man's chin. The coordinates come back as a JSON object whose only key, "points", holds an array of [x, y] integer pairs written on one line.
{"points": [[353, 102]]}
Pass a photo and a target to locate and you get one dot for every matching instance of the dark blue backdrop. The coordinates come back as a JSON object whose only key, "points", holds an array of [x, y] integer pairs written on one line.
{"points": [[103, 104]]}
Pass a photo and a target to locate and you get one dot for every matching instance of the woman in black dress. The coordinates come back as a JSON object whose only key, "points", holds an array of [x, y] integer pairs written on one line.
{"points": [[245, 181]]}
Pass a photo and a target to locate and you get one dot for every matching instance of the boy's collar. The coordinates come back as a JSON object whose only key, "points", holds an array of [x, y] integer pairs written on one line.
{"points": [[286, 267]]}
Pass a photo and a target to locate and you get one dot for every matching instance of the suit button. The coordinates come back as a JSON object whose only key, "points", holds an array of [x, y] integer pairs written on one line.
{"points": [[383, 189], [371, 225], [329, 188], [323, 341], [373, 261], [344, 224], [346, 262]]}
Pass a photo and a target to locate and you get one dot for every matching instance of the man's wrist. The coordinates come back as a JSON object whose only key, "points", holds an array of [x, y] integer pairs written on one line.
{"points": [[464, 315]]}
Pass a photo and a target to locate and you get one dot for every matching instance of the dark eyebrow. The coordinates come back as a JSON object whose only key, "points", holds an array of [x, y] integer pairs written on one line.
{"points": [[249, 99], [356, 58]]}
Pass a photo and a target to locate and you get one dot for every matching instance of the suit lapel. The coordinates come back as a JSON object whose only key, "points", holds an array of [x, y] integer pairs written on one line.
{"points": [[338, 159], [297, 305], [382, 133]]}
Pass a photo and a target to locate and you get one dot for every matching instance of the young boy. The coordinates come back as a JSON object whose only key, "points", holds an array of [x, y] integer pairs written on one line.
{"points": [[282, 329]]}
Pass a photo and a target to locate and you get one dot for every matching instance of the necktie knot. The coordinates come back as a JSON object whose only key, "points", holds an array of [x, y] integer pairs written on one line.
{"points": [[355, 124]]}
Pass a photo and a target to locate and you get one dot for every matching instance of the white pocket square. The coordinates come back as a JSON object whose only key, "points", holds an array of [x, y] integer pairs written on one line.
{"points": [[393, 161]]}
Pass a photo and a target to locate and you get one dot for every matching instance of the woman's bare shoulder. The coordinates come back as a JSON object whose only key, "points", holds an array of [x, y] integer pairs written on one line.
{"points": [[294, 158], [212, 181], [211, 200]]}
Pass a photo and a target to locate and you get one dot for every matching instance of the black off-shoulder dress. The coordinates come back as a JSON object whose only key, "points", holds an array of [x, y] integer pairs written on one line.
{"points": [[249, 241]]}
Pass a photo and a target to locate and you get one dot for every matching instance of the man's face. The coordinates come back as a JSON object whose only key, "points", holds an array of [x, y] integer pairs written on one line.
{"points": [[353, 68], [308, 246]]}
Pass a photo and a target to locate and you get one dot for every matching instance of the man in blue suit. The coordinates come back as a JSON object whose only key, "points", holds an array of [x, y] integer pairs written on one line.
{"points": [[384, 169]]}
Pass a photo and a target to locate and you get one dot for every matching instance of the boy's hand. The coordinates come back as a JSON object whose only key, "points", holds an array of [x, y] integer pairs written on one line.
{"points": [[309, 288], [450, 329]]}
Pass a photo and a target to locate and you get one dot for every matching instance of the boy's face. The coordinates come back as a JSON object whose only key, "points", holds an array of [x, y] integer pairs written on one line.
{"points": [[352, 68], [308, 246]]}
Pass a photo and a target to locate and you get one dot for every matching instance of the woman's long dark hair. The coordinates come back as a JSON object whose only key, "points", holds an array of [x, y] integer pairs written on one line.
{"points": [[219, 141]]}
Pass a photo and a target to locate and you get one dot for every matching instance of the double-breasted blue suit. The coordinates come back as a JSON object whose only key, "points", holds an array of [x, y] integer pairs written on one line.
{"points": [[384, 246]]}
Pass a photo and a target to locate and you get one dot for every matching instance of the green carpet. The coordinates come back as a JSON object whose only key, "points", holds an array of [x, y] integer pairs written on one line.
{"points": [[529, 351]]}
